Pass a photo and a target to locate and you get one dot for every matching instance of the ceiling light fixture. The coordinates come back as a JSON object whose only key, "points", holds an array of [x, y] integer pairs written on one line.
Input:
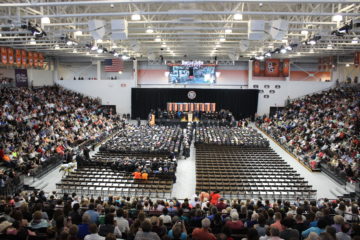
{"points": [[347, 65], [125, 57], [99, 41], [312, 42], [222, 39], [304, 32], [149, 30], [283, 50], [87, 53], [56, 47], [238, 16], [329, 46], [74, 50], [120, 72], [32, 41], [337, 18], [355, 40], [94, 48], [45, 20], [227, 31], [100, 50], [78, 33], [311, 50], [157, 39], [135, 17]]}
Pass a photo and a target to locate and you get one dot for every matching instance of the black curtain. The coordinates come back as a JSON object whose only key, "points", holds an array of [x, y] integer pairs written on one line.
{"points": [[241, 102]]}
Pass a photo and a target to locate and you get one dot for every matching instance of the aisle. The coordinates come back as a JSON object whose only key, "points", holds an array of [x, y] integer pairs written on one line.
{"points": [[324, 185], [185, 177]]}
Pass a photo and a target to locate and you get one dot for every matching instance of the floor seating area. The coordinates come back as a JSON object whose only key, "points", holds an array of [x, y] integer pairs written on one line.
{"points": [[104, 181], [248, 172]]}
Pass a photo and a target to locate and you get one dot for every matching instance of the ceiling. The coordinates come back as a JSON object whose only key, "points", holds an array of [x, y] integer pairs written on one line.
{"points": [[186, 28]]}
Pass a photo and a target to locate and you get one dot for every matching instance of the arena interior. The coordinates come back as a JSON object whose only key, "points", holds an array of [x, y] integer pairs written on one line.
{"points": [[179, 119]]}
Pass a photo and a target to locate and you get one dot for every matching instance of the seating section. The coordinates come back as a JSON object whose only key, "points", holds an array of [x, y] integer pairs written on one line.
{"points": [[243, 172], [104, 181]]}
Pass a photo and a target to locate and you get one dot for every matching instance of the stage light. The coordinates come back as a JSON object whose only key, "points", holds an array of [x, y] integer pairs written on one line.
{"points": [[304, 32], [94, 48], [78, 33], [238, 16], [116, 54], [125, 57], [337, 18], [69, 42], [135, 17], [32, 41], [100, 50], [222, 39], [157, 39], [347, 65], [289, 48], [149, 30], [283, 50], [56, 47], [355, 40], [45, 20], [227, 31]]}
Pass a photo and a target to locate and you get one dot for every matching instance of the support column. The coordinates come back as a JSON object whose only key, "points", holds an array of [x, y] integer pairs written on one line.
{"points": [[250, 75], [98, 70], [135, 72]]}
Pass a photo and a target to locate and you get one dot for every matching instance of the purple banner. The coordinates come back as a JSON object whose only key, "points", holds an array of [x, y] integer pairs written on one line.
{"points": [[21, 77]]}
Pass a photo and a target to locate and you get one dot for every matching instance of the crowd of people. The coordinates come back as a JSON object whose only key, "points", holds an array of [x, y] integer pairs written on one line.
{"points": [[146, 139], [232, 136], [36, 124], [321, 128], [206, 216]]}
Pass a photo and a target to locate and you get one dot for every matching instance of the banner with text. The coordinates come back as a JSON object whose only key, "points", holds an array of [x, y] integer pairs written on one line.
{"points": [[21, 77]]}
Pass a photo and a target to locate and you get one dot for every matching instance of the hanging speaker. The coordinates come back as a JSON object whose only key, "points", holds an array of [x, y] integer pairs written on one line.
{"points": [[97, 28]]}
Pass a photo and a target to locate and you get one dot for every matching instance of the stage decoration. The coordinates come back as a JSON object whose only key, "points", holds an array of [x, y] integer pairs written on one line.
{"points": [[192, 63]]}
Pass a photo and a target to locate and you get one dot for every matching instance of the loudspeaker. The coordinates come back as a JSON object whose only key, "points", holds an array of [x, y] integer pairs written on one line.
{"points": [[191, 71], [278, 29], [256, 30], [97, 28], [119, 25]]}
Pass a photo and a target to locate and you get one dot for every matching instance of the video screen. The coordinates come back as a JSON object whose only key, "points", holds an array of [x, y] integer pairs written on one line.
{"points": [[192, 75]]}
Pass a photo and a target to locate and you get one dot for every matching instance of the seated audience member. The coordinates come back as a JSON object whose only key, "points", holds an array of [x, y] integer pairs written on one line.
{"points": [[203, 232], [145, 232], [277, 224], [320, 228], [235, 225], [178, 231], [344, 233], [83, 228], [93, 233], [289, 233], [109, 226]]}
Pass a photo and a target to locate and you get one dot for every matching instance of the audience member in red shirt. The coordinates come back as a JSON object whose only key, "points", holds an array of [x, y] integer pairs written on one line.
{"points": [[203, 232], [235, 225], [214, 197]]}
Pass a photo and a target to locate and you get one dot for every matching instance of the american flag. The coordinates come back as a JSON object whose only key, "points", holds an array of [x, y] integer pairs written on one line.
{"points": [[114, 65]]}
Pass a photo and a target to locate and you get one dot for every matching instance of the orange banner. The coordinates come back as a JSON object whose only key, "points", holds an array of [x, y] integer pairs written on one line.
{"points": [[272, 67], [186, 107], [18, 57], [180, 107], [4, 53], [213, 107], [36, 59], [192, 107], [202, 107], [10, 55], [207, 107], [24, 58], [41, 60], [357, 59], [286, 67], [30, 59], [175, 107], [256, 68], [197, 107], [169, 107]]}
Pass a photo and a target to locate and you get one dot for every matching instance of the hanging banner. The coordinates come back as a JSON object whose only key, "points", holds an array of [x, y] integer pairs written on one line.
{"points": [[272, 67], [175, 107], [169, 107], [186, 107], [286, 67], [18, 57], [4, 54], [256, 68], [35, 59], [197, 106], [357, 59], [207, 107], [180, 107], [21, 77], [192, 107], [30, 59], [10, 55], [23, 58], [202, 107], [213, 107], [41, 60]]}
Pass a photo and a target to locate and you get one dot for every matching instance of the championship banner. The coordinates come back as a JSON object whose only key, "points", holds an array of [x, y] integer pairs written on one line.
{"points": [[197, 107], [213, 107], [207, 107], [10, 55], [175, 107], [180, 107], [35, 57], [192, 107], [272, 67], [24, 58], [202, 107], [256, 68], [18, 57], [186, 107], [286, 67], [30, 59], [357, 59], [169, 107], [21, 77], [4, 53], [41, 60]]}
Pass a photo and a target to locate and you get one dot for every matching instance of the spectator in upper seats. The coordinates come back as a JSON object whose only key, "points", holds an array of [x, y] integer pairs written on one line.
{"points": [[234, 224], [203, 232], [277, 224], [321, 225], [94, 215]]}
